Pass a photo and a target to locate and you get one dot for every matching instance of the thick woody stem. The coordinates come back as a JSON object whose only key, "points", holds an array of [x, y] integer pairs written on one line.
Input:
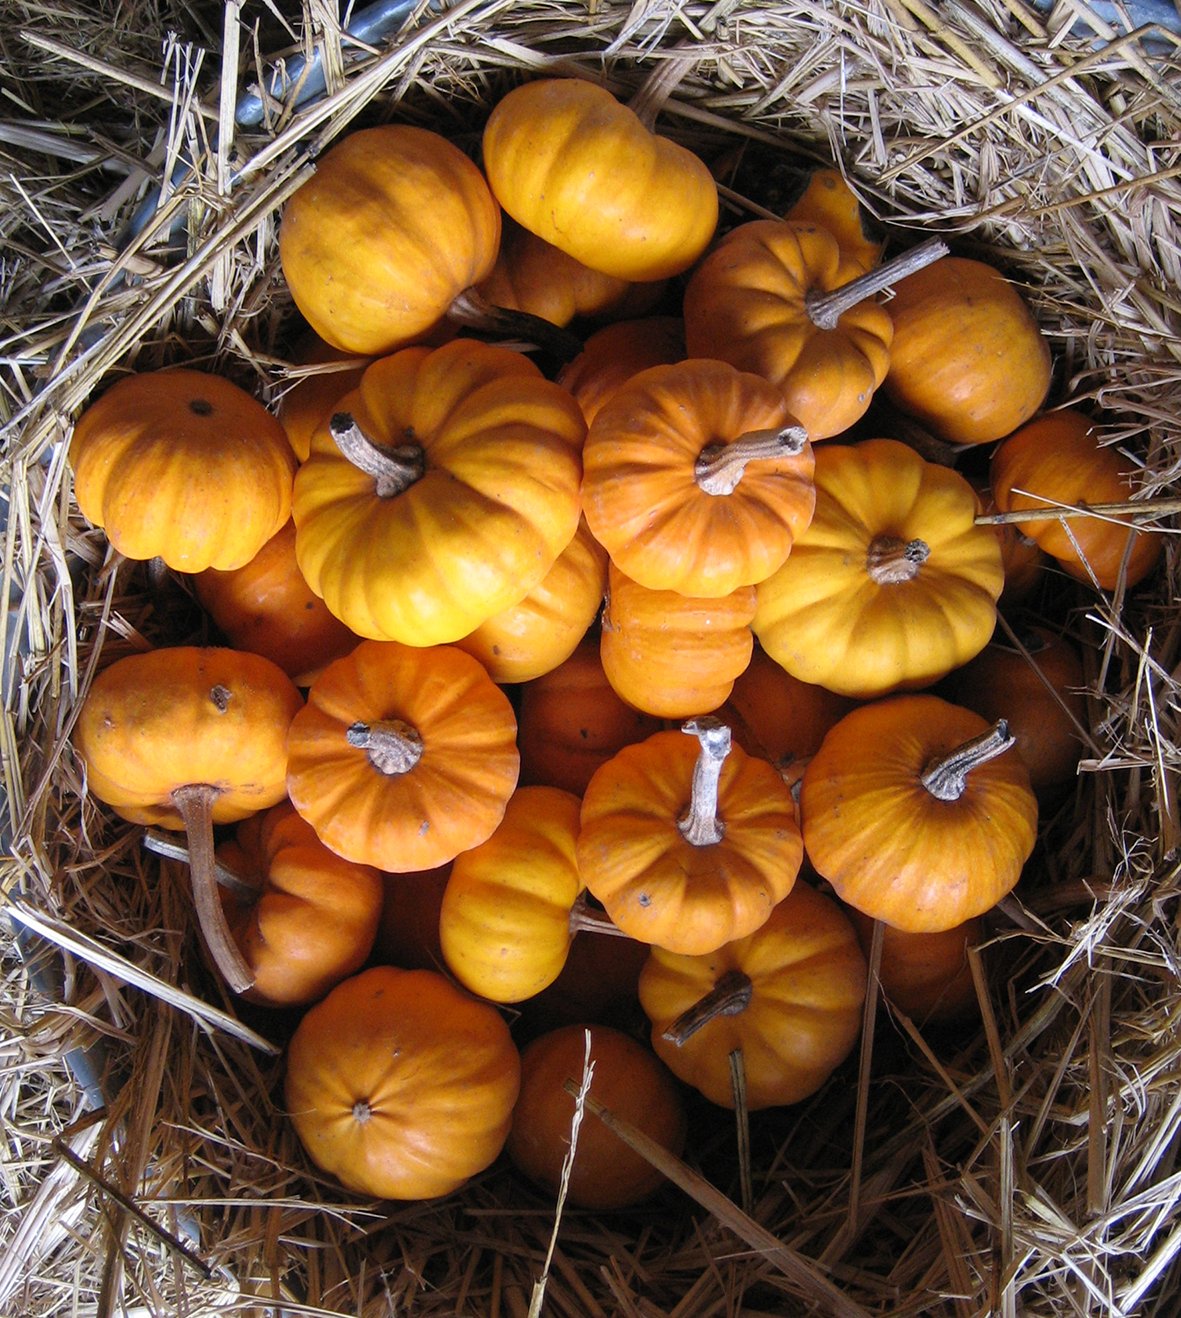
{"points": [[720, 467], [728, 997], [164, 845], [585, 920], [394, 470], [946, 777], [701, 826], [394, 747], [472, 310], [194, 804], [890, 560], [825, 309]]}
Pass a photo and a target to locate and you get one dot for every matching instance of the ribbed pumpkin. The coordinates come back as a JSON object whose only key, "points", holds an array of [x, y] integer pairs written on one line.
{"points": [[1058, 460], [441, 493], [183, 466], [892, 585], [582, 171], [401, 1085], [829, 202], [915, 813], [613, 354], [697, 479], [403, 757], [394, 224], [687, 841], [313, 916], [788, 996], [672, 655], [307, 404], [505, 925]]}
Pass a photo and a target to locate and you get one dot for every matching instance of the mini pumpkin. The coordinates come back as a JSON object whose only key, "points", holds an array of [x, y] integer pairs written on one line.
{"points": [[587, 174], [441, 493], [697, 478], [185, 737], [788, 997], [915, 814], [1059, 461], [892, 585], [403, 757], [615, 353], [687, 841], [401, 1085], [183, 466]]}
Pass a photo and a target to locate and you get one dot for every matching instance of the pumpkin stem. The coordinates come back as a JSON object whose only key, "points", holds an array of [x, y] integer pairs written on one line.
{"points": [[164, 845], [394, 470], [946, 777], [472, 310], [362, 1112], [194, 804], [720, 467], [890, 560], [585, 920], [394, 747], [730, 996], [701, 826], [826, 309]]}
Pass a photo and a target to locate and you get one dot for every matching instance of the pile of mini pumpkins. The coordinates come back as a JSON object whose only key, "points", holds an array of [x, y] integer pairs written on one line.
{"points": [[432, 523]]}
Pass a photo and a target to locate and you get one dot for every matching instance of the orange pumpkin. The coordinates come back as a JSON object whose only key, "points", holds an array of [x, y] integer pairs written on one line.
{"points": [[1021, 557], [403, 757], [572, 721], [267, 607], [183, 466], [615, 353], [1059, 461], [535, 635], [313, 916], [505, 925], [829, 202], [691, 879], [778, 299], [401, 1085], [672, 655], [441, 493], [582, 171], [697, 479], [915, 815], [788, 996], [627, 1079], [395, 223], [968, 359], [183, 738], [892, 585], [310, 401]]}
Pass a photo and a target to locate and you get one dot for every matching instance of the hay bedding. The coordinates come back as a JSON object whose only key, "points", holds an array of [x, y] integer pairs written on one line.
{"points": [[1028, 1166]]}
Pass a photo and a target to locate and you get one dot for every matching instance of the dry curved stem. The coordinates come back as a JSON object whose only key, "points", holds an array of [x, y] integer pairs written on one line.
{"points": [[891, 561], [585, 920], [473, 311], [730, 996], [720, 467], [393, 746], [700, 826], [194, 804], [164, 844], [946, 777], [826, 309], [394, 470]]}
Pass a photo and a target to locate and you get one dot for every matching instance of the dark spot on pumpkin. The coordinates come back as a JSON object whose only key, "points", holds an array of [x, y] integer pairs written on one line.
{"points": [[645, 899], [220, 695], [200, 407]]}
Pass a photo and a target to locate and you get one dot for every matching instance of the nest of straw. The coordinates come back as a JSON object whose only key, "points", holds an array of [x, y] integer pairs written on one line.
{"points": [[1025, 1166]]}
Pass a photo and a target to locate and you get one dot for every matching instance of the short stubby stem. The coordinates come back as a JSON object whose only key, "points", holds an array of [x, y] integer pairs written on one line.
{"points": [[194, 804], [720, 467], [701, 826], [890, 560], [730, 996], [584, 919], [362, 1112], [946, 777], [394, 470], [826, 309], [393, 746]]}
